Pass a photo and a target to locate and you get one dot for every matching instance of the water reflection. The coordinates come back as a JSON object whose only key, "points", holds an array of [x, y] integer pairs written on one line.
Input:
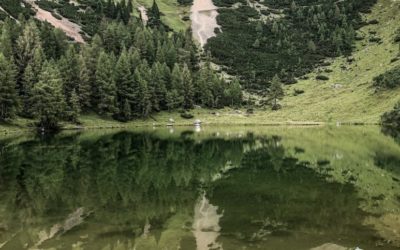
{"points": [[188, 190], [206, 227]]}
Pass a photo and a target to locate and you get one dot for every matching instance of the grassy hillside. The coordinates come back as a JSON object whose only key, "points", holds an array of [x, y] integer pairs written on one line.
{"points": [[348, 95], [173, 12], [354, 100]]}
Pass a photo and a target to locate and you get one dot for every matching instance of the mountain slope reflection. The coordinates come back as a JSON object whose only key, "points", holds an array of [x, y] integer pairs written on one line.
{"points": [[155, 190]]}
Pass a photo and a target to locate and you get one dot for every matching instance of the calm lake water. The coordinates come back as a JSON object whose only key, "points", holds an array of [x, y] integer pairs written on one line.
{"points": [[219, 188]]}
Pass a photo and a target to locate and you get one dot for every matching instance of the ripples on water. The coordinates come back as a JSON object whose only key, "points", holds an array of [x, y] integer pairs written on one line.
{"points": [[260, 189]]}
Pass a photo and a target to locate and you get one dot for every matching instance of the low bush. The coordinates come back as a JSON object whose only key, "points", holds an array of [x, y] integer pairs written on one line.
{"points": [[297, 92], [397, 36], [392, 118], [187, 115], [388, 80], [322, 78]]}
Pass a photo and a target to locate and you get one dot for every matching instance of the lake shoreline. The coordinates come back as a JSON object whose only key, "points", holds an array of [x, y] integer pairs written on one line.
{"points": [[207, 118]]}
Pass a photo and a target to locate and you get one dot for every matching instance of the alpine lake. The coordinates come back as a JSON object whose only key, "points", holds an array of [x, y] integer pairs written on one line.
{"points": [[208, 188]]}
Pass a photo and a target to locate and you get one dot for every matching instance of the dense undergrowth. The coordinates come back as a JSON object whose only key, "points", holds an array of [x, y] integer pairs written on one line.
{"points": [[15, 9]]}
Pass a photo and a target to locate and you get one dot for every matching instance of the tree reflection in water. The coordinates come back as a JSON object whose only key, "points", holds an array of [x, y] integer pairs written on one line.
{"points": [[145, 191]]}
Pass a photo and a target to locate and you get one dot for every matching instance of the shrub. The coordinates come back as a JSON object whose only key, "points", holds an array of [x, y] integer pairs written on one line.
{"points": [[56, 16], [375, 39], [322, 78], [373, 21], [187, 115], [397, 36], [392, 118], [388, 80], [297, 92]]}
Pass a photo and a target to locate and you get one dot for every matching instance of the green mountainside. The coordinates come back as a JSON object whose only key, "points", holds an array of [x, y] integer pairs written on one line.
{"points": [[337, 62]]}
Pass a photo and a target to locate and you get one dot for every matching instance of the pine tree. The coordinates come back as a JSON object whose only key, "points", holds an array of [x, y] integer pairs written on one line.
{"points": [[127, 110], [27, 42], [142, 103], [256, 44], [233, 93], [84, 87], [154, 15], [106, 89], [6, 47], [74, 107], [174, 100], [158, 83], [276, 92], [8, 95], [312, 47], [124, 84], [90, 54], [29, 79], [188, 89], [68, 65], [177, 78], [203, 86], [48, 99]]}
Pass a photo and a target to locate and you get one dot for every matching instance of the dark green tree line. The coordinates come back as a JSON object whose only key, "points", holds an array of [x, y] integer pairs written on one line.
{"points": [[126, 71]]}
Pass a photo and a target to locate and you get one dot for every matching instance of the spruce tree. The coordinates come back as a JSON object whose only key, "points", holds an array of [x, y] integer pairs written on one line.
{"points": [[106, 89], [188, 89], [142, 104], [90, 54], [74, 107], [154, 15], [276, 92], [8, 95], [158, 83], [233, 94], [29, 79], [48, 99], [84, 86], [124, 84], [68, 65], [27, 42], [6, 47]]}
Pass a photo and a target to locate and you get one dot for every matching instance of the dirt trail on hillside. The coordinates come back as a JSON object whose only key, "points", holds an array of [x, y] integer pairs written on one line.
{"points": [[71, 29], [204, 20], [143, 14]]}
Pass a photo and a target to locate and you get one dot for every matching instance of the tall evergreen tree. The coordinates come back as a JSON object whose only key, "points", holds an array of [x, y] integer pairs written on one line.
{"points": [[8, 95], [29, 79], [84, 90], [27, 42], [158, 82], [233, 94], [276, 92], [188, 89], [48, 99], [106, 89], [124, 84], [142, 105], [74, 108], [68, 65], [154, 15], [6, 47]]}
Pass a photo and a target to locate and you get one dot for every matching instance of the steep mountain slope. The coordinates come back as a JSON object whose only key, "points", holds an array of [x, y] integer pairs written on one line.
{"points": [[348, 95]]}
